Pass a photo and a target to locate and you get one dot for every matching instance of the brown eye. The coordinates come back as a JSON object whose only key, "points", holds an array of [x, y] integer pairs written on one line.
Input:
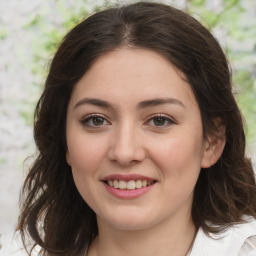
{"points": [[159, 121], [94, 121], [97, 120]]}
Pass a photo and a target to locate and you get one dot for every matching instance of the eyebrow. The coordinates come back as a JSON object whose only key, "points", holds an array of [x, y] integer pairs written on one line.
{"points": [[159, 101], [95, 102], [141, 105]]}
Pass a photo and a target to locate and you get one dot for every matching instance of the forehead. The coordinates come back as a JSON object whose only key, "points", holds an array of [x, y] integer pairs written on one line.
{"points": [[136, 74]]}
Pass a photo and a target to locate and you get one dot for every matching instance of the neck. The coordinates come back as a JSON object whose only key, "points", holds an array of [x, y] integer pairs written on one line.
{"points": [[176, 240]]}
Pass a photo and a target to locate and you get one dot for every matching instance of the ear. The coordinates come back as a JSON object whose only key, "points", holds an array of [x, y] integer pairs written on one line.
{"points": [[68, 158], [214, 145]]}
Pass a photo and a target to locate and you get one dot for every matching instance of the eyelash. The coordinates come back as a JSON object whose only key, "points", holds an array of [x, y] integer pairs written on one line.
{"points": [[168, 121], [86, 121]]}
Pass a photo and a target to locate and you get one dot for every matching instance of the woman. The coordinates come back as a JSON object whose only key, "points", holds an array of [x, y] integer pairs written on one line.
{"points": [[140, 143]]}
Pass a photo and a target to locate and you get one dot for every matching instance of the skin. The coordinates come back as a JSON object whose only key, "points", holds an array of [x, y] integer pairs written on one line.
{"points": [[129, 139]]}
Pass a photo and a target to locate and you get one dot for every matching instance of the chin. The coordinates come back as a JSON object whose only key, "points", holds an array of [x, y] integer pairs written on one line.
{"points": [[128, 223]]}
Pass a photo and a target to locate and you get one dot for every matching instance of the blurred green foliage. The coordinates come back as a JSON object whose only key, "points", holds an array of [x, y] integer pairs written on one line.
{"points": [[3, 32], [49, 32], [236, 20]]}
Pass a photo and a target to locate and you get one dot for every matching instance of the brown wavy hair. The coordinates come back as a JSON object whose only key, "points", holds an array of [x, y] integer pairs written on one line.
{"points": [[53, 213]]}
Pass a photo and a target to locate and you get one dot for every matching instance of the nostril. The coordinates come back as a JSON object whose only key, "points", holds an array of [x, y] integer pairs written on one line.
{"points": [[126, 151]]}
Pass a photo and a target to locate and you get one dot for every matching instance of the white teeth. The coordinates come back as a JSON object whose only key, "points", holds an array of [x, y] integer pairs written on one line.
{"points": [[116, 184], [138, 184], [122, 184], [131, 184]]}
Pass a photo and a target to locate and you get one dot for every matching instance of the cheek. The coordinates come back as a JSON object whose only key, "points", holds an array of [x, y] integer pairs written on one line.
{"points": [[85, 159], [84, 154], [178, 155]]}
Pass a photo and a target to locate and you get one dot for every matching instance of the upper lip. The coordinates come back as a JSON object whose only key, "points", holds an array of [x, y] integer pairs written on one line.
{"points": [[127, 177]]}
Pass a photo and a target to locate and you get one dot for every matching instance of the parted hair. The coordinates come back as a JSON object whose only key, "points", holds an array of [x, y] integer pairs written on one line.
{"points": [[53, 214]]}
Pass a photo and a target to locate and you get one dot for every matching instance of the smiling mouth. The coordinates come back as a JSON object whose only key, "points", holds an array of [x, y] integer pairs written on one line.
{"points": [[129, 185]]}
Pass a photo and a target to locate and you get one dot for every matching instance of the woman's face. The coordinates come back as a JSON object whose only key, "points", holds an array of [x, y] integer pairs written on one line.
{"points": [[135, 140]]}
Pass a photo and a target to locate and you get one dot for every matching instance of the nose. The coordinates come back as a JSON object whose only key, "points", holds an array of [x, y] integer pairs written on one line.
{"points": [[126, 146]]}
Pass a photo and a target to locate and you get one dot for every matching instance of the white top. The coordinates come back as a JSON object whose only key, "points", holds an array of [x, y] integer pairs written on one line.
{"points": [[238, 240]]}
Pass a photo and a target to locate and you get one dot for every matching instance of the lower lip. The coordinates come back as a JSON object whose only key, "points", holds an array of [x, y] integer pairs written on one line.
{"points": [[128, 193]]}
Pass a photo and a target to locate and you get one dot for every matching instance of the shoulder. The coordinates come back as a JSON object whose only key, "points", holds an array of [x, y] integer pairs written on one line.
{"points": [[12, 245], [249, 247], [238, 240], [243, 241]]}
